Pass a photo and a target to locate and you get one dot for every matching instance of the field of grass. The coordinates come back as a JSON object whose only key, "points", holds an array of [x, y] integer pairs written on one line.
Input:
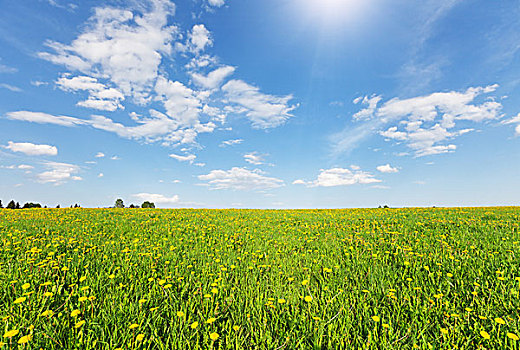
{"points": [[255, 279]]}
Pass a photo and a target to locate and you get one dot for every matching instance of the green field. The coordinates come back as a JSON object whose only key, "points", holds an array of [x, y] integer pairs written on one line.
{"points": [[260, 279]]}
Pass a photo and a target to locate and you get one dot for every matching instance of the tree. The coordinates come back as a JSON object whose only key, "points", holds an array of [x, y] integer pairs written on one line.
{"points": [[132, 206], [1, 206], [58, 206], [148, 205], [31, 205], [119, 203], [17, 205], [11, 205]]}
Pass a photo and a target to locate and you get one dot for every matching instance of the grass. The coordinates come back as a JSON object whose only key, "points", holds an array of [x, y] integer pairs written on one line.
{"points": [[245, 279]]}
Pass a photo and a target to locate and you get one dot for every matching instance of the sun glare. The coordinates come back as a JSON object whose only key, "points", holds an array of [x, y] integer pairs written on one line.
{"points": [[332, 13]]}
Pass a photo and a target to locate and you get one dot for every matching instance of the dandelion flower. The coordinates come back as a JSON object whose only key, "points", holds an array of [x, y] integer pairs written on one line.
{"points": [[484, 334], [194, 325], [48, 294], [512, 336], [79, 324], [214, 336], [11, 333], [180, 314], [139, 337], [81, 299], [236, 328], [75, 313], [211, 320], [133, 325], [376, 318], [500, 321], [25, 339], [281, 301], [20, 300], [308, 298], [26, 286]]}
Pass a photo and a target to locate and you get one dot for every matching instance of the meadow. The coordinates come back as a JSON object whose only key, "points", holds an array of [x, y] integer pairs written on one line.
{"points": [[436, 278]]}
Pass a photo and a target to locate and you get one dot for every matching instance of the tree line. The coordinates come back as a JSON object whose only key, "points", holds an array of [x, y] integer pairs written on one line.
{"points": [[29, 205]]}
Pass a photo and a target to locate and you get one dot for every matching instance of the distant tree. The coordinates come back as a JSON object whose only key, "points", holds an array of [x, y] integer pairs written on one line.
{"points": [[119, 203], [17, 205], [45, 207], [76, 205], [386, 206], [1, 206], [58, 206], [148, 205], [11, 205], [31, 205], [132, 206]]}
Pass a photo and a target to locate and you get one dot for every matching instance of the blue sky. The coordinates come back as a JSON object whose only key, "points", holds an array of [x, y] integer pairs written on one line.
{"points": [[260, 104]]}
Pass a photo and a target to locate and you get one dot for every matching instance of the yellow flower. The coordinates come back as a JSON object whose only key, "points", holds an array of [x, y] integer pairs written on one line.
{"points": [[444, 331], [180, 313], [281, 301], [500, 321], [211, 320], [20, 300], [112, 276], [376, 318], [139, 337], [75, 313], [512, 336], [11, 333], [305, 282], [386, 325], [48, 294], [308, 298], [47, 313], [133, 325], [194, 325], [82, 299], [82, 278], [214, 290], [25, 339], [236, 328], [214, 336], [79, 324], [26, 286], [484, 334]]}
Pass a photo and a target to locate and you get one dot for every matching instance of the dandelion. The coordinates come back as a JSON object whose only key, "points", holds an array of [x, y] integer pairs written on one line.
{"points": [[81, 299], [79, 324], [25, 339], [214, 336], [180, 314], [281, 301], [11, 333], [48, 294], [444, 331], [48, 313], [20, 300], [500, 321], [484, 334], [112, 276], [308, 298], [211, 320], [139, 337], [376, 318], [512, 336], [214, 290], [26, 286], [75, 313], [133, 326], [236, 328], [305, 282], [194, 325]]}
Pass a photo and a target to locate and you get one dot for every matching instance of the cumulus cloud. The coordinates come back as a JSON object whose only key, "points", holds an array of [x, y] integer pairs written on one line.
{"points": [[339, 177], [231, 142], [100, 96], [32, 149], [59, 173], [187, 158], [240, 179], [198, 39], [263, 110], [122, 46], [216, 3], [387, 168], [156, 198], [515, 120], [99, 155], [214, 78], [254, 158], [425, 124]]}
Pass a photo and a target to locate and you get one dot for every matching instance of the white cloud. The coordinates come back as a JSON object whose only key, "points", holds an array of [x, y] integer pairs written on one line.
{"points": [[25, 167], [156, 198], [216, 3], [124, 47], [214, 78], [240, 179], [100, 175], [59, 173], [38, 83], [198, 39], [264, 111], [340, 177], [7, 69], [254, 158], [115, 158], [10, 87], [100, 96], [426, 122], [32, 149], [44, 118], [299, 182], [515, 120], [99, 155], [231, 142], [387, 168], [181, 103], [187, 158]]}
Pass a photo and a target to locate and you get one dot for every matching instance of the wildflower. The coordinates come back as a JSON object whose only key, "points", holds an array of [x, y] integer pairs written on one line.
{"points": [[512, 336], [194, 325], [308, 298], [75, 313], [281, 301], [25, 339], [305, 282], [20, 300], [26, 286], [81, 299], [500, 321], [48, 294], [444, 331], [139, 337], [484, 334], [211, 320], [214, 336], [48, 313], [236, 328], [11, 333], [180, 314], [133, 325], [376, 318], [79, 324], [214, 290]]}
